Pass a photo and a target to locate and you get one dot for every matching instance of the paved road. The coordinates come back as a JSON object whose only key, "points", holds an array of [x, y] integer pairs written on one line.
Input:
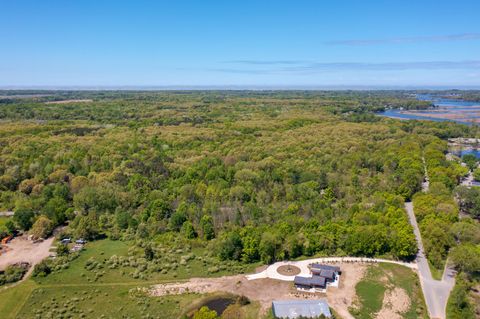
{"points": [[436, 292]]}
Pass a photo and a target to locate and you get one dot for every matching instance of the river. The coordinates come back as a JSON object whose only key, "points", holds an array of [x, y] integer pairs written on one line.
{"points": [[464, 112]]}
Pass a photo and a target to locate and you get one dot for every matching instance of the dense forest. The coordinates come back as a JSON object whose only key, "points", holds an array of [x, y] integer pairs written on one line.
{"points": [[253, 176]]}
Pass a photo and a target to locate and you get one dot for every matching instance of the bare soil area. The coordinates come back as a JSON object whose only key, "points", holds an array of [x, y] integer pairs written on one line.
{"points": [[343, 297], [267, 290], [395, 302], [288, 270], [20, 249]]}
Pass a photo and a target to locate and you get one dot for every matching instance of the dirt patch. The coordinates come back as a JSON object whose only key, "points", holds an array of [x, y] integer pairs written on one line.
{"points": [[20, 249], [261, 268], [288, 270], [261, 290], [343, 297], [266, 290], [395, 302]]}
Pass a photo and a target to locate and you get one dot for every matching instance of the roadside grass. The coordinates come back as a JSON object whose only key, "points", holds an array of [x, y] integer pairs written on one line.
{"points": [[437, 273], [12, 299], [371, 289]]}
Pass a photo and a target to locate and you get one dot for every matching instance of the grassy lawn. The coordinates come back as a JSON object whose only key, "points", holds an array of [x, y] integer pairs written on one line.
{"points": [[102, 301], [371, 289], [13, 299]]}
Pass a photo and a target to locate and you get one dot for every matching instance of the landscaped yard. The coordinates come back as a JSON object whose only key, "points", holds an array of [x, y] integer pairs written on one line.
{"points": [[389, 289]]}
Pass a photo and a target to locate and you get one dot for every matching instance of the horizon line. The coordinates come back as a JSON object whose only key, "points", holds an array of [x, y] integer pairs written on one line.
{"points": [[232, 87]]}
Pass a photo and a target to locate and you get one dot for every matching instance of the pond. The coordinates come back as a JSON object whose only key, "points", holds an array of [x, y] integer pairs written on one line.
{"points": [[463, 152], [218, 304]]}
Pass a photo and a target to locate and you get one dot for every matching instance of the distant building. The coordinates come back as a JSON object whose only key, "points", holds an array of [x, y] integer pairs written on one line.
{"points": [[291, 309]]}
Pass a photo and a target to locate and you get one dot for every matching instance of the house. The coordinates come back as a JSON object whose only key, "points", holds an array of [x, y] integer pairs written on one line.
{"points": [[314, 283], [327, 274], [325, 267], [322, 277], [291, 309]]}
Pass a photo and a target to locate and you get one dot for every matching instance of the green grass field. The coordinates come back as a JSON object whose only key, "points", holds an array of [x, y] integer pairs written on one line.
{"points": [[75, 292], [371, 289], [101, 301]]}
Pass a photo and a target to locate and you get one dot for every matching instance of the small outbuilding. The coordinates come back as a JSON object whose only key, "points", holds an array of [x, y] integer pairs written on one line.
{"points": [[291, 309]]}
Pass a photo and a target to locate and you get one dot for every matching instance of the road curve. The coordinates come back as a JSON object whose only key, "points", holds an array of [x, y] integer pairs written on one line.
{"points": [[271, 271], [436, 292]]}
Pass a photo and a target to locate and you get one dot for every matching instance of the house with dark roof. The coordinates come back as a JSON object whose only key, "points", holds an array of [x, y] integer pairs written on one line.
{"points": [[291, 309], [329, 275], [310, 283], [325, 267], [322, 277]]}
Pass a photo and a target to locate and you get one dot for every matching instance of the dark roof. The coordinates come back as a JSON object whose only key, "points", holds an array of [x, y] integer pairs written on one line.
{"points": [[329, 274], [305, 308], [314, 281], [325, 267]]}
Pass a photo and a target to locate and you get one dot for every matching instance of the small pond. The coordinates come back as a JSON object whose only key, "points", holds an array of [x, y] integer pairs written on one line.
{"points": [[219, 304]]}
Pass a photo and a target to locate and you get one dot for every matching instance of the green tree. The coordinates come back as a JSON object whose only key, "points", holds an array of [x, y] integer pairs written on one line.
{"points": [[86, 227], [466, 258], [24, 218], [62, 250], [471, 161], [10, 226], [188, 231], [476, 174], [230, 246], [42, 228], [177, 219], [207, 228], [205, 313]]}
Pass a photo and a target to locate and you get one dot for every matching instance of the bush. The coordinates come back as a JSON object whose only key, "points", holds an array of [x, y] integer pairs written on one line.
{"points": [[13, 273], [62, 250], [42, 269], [42, 228]]}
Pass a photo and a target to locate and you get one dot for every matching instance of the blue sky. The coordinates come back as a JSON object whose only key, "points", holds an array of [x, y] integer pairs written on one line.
{"points": [[244, 43]]}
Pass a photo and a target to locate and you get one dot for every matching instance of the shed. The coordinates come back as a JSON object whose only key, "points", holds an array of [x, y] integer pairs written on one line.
{"points": [[292, 309]]}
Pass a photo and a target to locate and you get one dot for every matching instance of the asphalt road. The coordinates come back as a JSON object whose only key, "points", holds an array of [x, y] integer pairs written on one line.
{"points": [[436, 292]]}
